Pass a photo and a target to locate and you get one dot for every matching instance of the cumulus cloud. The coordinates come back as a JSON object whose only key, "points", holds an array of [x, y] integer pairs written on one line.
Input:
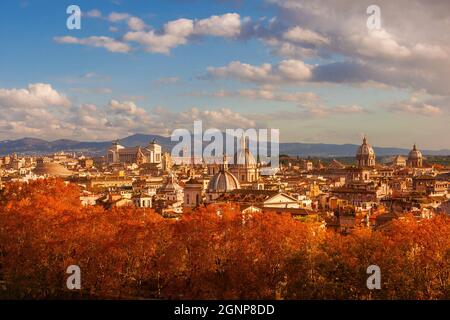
{"points": [[108, 43], [285, 71], [378, 43], [300, 35], [410, 50], [227, 25], [41, 111], [178, 32], [136, 24], [126, 107], [37, 95]]}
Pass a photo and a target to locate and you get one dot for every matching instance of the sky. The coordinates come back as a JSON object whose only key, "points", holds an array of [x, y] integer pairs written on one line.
{"points": [[316, 70]]}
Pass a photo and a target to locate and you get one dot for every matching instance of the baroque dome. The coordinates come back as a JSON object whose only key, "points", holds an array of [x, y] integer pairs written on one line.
{"points": [[414, 154], [223, 181], [365, 149]]}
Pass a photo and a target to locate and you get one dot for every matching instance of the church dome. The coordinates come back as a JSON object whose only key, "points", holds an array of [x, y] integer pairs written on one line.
{"points": [[171, 185], [223, 181], [365, 149], [414, 154], [52, 169]]}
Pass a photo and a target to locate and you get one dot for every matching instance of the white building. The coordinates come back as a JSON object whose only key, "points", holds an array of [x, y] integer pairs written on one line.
{"points": [[119, 154]]}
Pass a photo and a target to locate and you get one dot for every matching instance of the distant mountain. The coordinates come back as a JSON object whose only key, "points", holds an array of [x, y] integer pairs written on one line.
{"points": [[39, 146]]}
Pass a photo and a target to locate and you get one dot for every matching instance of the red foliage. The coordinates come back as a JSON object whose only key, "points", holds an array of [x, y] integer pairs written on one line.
{"points": [[210, 253]]}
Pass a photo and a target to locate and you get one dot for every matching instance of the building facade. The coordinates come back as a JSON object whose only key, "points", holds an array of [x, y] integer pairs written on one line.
{"points": [[119, 154]]}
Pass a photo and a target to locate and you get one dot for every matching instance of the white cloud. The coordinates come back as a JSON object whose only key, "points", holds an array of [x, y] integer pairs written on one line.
{"points": [[178, 32], [243, 71], [108, 43], [285, 71], [37, 95], [35, 111], [294, 70], [227, 25], [300, 35], [411, 50], [175, 34], [137, 24], [126, 107], [379, 43]]}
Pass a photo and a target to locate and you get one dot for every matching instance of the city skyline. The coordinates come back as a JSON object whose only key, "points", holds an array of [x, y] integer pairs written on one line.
{"points": [[312, 69]]}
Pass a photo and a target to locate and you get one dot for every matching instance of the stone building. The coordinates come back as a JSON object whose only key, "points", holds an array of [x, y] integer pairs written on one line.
{"points": [[119, 154]]}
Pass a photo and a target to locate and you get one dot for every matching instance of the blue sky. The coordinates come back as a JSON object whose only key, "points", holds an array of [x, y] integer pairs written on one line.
{"points": [[314, 71]]}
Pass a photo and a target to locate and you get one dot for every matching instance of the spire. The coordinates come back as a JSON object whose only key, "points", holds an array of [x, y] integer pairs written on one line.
{"points": [[365, 140], [414, 148]]}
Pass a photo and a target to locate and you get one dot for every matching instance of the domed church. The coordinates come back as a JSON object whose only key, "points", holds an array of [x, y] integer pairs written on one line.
{"points": [[245, 167], [415, 158], [222, 182], [365, 156]]}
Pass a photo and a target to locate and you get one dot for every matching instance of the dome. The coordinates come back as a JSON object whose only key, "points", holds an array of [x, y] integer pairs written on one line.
{"points": [[223, 181], [171, 185], [414, 154], [51, 169], [365, 149]]}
